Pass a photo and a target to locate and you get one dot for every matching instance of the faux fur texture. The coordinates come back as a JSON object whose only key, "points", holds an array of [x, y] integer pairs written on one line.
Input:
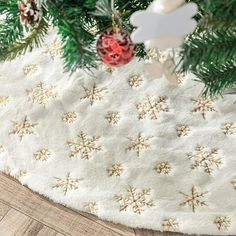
{"points": [[130, 148]]}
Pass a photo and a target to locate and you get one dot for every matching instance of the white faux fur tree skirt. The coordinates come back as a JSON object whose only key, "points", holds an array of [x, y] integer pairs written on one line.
{"points": [[127, 147]]}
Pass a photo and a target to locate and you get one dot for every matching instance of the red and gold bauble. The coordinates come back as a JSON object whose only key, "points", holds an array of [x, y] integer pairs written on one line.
{"points": [[115, 47]]}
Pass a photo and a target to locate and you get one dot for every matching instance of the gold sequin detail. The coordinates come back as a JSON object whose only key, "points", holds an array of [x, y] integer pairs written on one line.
{"points": [[69, 117], [229, 128], [205, 158], [42, 155], [23, 128], [42, 94], [222, 223], [170, 224], [135, 81], [194, 199], [67, 184], [113, 117], [4, 100], [182, 130], [30, 69], [135, 200], [93, 94], [115, 170], [203, 106], [139, 144], [152, 107], [163, 167], [91, 207], [84, 146]]}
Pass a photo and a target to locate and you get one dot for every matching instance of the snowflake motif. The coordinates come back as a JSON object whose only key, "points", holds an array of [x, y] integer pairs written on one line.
{"points": [[23, 128], [115, 170], [41, 94], [94, 94], [233, 182], [135, 199], [229, 128], [67, 184], [30, 69], [54, 49], [113, 117], [138, 144], [180, 78], [4, 100], [163, 168], [42, 155], [20, 174], [151, 107], [205, 158], [69, 117], [153, 55], [194, 199], [84, 147], [91, 207], [222, 223], [170, 224], [182, 130], [203, 105], [135, 81]]}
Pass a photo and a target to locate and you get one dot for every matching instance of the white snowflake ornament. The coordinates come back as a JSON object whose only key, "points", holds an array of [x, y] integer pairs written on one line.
{"points": [[170, 23]]}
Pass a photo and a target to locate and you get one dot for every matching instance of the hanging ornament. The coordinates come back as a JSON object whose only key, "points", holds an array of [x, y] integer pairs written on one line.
{"points": [[30, 12], [164, 24]]}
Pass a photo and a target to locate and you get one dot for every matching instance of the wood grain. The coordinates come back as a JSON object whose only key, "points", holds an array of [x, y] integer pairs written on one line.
{"points": [[3, 210]]}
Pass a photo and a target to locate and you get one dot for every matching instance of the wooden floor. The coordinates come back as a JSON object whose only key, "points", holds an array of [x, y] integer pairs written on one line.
{"points": [[24, 213]]}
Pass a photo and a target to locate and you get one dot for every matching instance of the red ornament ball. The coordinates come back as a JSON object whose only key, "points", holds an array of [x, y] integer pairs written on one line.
{"points": [[115, 47]]}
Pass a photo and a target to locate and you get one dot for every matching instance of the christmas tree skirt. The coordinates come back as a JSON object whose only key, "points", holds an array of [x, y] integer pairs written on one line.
{"points": [[127, 147]]}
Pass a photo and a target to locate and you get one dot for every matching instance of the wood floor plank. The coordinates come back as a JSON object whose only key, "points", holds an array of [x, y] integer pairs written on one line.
{"points": [[57, 217], [145, 232], [3, 210]]}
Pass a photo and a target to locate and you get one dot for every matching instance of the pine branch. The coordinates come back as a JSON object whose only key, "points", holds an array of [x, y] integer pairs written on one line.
{"points": [[20, 47]]}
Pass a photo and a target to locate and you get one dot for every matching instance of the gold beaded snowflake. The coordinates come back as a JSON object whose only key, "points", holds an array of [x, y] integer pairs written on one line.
{"points": [[42, 155], [182, 130], [54, 49], [163, 167], [229, 128], [113, 117], [23, 128], [135, 200], [42, 94], [4, 100], [194, 199], [115, 170], [69, 117], [170, 224], [139, 144], [135, 81], [30, 69], [222, 223], [67, 184], [91, 207]]}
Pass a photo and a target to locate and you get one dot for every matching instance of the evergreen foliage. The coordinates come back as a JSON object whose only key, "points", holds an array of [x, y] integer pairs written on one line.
{"points": [[210, 52]]}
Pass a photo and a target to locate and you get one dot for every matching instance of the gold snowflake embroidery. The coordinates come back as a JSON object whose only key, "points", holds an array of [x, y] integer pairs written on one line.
{"points": [[136, 200], [42, 155], [113, 117], [153, 54], [84, 147], [138, 144], [182, 130], [180, 77], [222, 223], [42, 94], [205, 158], [91, 207], [69, 117], [30, 69], [20, 174], [115, 170], [163, 167], [203, 105], [135, 81], [54, 49], [23, 128], [4, 100], [67, 184], [93, 94], [194, 199], [233, 182], [152, 107], [229, 128], [170, 224]]}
